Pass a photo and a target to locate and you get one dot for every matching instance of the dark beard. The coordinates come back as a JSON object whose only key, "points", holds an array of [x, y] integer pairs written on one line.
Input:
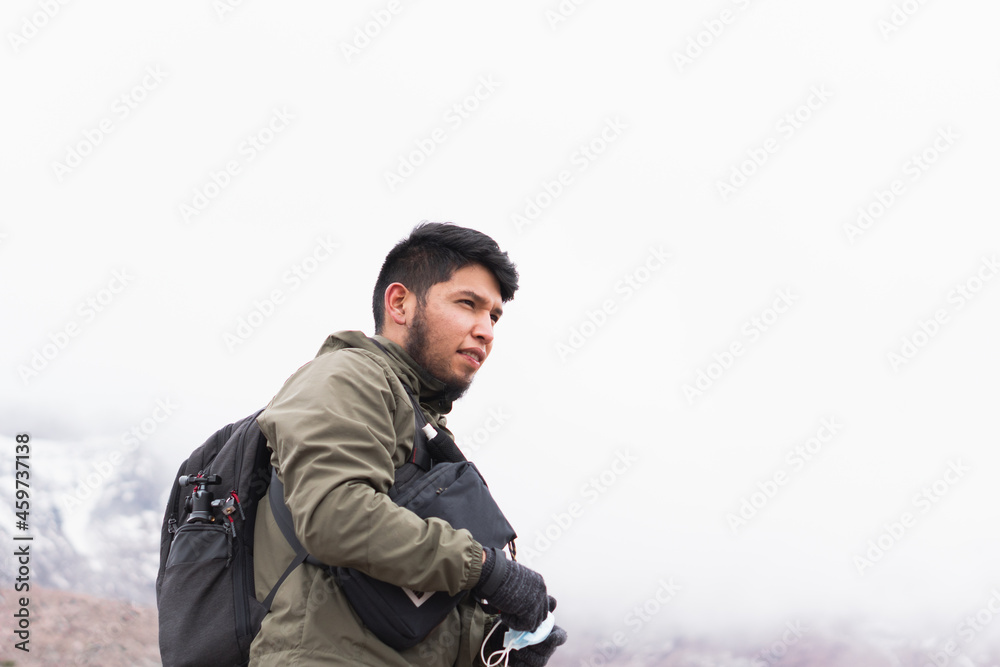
{"points": [[416, 347]]}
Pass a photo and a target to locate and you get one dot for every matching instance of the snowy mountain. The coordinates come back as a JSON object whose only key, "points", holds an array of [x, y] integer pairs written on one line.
{"points": [[95, 516]]}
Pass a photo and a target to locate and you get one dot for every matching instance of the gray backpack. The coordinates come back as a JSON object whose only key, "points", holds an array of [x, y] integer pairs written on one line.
{"points": [[208, 610]]}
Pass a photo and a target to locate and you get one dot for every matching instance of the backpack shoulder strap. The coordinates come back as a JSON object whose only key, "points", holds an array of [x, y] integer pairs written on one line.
{"points": [[429, 442], [283, 517], [421, 457]]}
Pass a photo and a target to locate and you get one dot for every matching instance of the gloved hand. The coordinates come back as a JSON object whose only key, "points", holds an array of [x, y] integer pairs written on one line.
{"points": [[536, 655], [515, 591]]}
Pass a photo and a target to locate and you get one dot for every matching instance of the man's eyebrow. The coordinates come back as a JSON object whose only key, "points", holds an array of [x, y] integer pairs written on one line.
{"points": [[480, 300]]}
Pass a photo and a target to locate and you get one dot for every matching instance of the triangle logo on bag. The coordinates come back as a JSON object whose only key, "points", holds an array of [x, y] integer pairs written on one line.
{"points": [[417, 597]]}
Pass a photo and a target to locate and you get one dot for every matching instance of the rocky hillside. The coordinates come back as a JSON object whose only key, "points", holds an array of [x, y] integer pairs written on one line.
{"points": [[77, 629]]}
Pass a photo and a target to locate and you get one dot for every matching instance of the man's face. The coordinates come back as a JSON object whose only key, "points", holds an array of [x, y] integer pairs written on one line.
{"points": [[452, 331]]}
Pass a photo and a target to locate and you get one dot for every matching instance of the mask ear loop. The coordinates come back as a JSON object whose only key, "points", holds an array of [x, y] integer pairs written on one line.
{"points": [[497, 658]]}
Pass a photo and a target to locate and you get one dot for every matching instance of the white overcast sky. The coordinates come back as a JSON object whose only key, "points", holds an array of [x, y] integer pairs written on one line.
{"points": [[119, 115]]}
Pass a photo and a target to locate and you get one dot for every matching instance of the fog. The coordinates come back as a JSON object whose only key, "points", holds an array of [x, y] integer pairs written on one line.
{"points": [[753, 358]]}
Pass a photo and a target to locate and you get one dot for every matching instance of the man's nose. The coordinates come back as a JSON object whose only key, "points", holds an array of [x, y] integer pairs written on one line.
{"points": [[483, 328]]}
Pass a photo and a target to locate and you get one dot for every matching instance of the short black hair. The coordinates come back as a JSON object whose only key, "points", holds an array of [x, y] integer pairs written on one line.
{"points": [[431, 254]]}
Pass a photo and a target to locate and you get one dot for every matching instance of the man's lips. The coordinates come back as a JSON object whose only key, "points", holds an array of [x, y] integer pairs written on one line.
{"points": [[473, 356]]}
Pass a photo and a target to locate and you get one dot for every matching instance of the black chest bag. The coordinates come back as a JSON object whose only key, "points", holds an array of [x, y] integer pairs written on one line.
{"points": [[437, 481]]}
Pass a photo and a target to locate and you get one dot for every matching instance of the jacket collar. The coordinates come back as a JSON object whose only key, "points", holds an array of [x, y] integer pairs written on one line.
{"points": [[428, 388]]}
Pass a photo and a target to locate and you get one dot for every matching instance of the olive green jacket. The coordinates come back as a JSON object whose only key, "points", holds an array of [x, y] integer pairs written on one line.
{"points": [[337, 431]]}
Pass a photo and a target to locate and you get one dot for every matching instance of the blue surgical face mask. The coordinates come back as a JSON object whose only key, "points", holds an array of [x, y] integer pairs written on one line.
{"points": [[517, 639]]}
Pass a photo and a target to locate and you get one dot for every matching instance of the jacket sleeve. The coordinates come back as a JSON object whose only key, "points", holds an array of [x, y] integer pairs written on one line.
{"points": [[333, 429]]}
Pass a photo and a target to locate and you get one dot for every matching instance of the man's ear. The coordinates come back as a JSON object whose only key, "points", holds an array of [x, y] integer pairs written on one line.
{"points": [[398, 304]]}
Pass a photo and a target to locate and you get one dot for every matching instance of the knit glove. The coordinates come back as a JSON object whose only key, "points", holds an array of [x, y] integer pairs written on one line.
{"points": [[516, 592], [536, 655]]}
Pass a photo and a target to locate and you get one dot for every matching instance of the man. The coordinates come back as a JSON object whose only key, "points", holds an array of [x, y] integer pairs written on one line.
{"points": [[339, 428]]}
